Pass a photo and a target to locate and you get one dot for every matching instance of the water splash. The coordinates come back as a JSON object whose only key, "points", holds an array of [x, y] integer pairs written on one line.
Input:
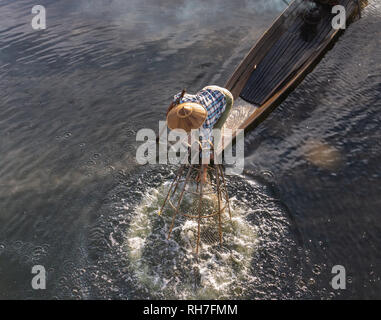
{"points": [[126, 254], [170, 269]]}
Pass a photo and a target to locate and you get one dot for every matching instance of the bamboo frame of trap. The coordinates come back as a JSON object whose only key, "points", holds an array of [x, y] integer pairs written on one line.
{"points": [[190, 173]]}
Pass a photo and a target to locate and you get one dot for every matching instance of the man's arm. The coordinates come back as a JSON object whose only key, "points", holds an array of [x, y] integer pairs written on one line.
{"points": [[176, 100], [171, 106]]}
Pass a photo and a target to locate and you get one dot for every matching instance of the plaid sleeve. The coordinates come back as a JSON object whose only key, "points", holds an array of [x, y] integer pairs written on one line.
{"points": [[176, 96]]}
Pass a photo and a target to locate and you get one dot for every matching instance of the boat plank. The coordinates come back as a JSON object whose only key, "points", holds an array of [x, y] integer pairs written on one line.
{"points": [[239, 78], [279, 64], [248, 114]]}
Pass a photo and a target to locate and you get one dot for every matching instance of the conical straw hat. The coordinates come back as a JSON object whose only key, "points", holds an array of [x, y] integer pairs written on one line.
{"points": [[186, 116]]}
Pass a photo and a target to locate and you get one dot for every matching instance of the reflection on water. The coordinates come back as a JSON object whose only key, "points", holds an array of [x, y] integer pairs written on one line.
{"points": [[72, 98], [322, 155]]}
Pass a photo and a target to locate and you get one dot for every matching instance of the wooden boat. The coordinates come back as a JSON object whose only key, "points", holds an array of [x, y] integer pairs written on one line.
{"points": [[281, 58]]}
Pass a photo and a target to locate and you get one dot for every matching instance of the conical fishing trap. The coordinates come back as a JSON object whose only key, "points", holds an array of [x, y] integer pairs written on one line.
{"points": [[208, 202]]}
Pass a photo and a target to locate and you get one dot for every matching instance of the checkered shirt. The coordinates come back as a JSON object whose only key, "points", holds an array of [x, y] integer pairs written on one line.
{"points": [[214, 102]]}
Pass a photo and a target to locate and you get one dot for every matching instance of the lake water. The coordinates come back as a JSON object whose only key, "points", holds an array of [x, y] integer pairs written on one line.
{"points": [[74, 199]]}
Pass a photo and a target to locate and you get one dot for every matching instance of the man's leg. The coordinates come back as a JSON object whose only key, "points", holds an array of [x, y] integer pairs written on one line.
{"points": [[225, 114]]}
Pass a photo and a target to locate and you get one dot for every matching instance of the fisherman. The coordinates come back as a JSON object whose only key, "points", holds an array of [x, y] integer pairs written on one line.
{"points": [[207, 109]]}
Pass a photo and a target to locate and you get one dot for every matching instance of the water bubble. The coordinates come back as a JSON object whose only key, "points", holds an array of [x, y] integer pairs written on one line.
{"points": [[25, 259], [38, 252], [131, 148], [62, 281], [82, 271], [316, 269], [130, 132], [91, 163], [110, 168], [65, 290], [17, 244], [68, 266], [267, 174], [67, 135]]}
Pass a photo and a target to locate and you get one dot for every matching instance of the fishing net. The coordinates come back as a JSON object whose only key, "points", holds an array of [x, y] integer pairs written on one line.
{"points": [[205, 204]]}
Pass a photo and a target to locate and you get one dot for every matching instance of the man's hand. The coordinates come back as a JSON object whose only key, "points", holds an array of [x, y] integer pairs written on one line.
{"points": [[170, 107], [202, 174]]}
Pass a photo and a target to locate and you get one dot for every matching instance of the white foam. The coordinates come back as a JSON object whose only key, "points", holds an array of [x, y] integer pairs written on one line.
{"points": [[170, 269]]}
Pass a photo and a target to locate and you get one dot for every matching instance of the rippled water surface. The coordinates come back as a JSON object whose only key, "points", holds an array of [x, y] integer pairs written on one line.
{"points": [[73, 198]]}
